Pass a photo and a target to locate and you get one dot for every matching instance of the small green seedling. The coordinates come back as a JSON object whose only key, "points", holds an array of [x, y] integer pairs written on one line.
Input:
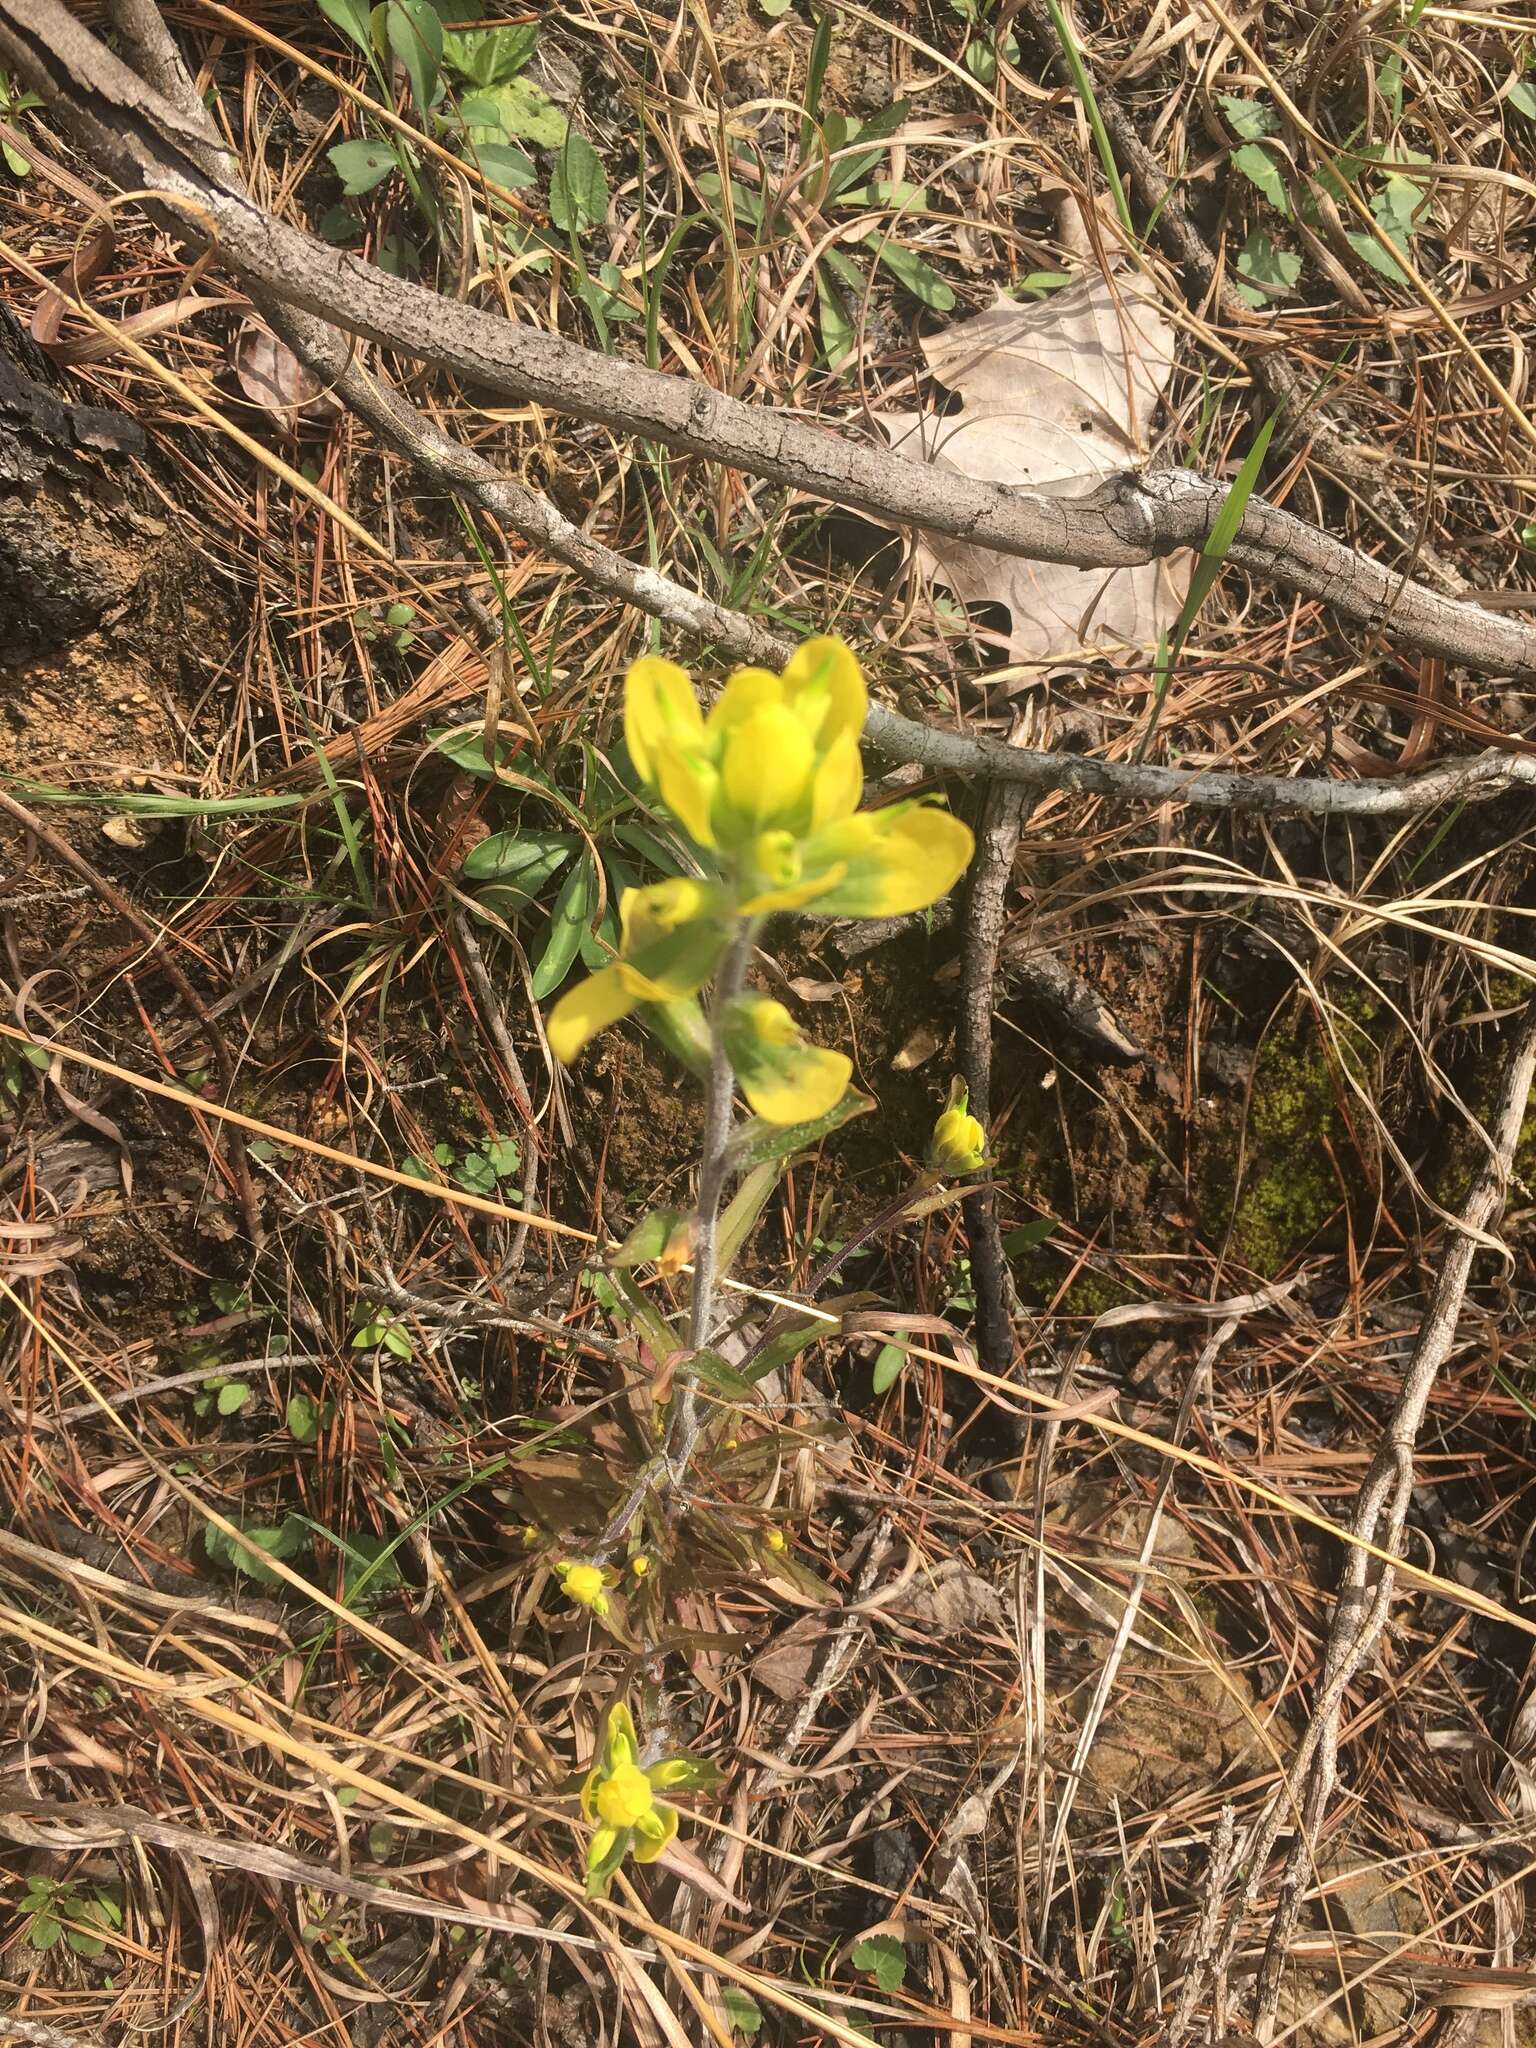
{"points": [[82, 1916]]}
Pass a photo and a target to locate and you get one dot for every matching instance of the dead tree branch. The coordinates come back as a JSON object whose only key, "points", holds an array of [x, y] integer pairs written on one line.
{"points": [[146, 143]]}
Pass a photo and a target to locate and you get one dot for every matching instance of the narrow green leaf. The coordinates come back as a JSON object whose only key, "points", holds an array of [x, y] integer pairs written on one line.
{"points": [[569, 919], [920, 279], [743, 1211], [890, 1361], [527, 860], [1028, 1235], [415, 32], [351, 17], [757, 1141], [1522, 97]]}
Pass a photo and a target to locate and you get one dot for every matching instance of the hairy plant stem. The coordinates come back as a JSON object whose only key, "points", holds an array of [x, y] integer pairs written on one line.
{"points": [[683, 1432]]}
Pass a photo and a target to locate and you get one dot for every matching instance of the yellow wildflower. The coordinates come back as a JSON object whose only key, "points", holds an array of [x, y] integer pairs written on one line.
{"points": [[586, 1584], [620, 1797], [769, 783]]}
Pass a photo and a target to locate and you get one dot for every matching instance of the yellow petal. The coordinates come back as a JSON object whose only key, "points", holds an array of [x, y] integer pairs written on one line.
{"points": [[826, 666], [589, 1791], [743, 693], [810, 1084], [658, 702], [794, 895], [897, 860], [620, 1743], [839, 782], [591, 1006], [686, 784], [767, 769], [654, 1832]]}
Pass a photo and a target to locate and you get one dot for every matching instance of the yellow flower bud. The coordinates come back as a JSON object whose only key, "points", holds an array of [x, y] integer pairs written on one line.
{"points": [[775, 1540], [640, 1566], [959, 1143], [624, 1798]]}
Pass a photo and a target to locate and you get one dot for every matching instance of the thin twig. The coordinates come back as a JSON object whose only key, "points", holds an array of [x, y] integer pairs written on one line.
{"points": [[991, 871]]}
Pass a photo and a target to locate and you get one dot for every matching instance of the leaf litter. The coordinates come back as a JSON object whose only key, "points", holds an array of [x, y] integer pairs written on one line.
{"points": [[1055, 397]]}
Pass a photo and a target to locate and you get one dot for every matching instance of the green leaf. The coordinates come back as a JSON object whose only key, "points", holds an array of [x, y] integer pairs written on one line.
{"points": [[920, 279], [1248, 119], [712, 1371], [781, 1345], [578, 190], [524, 861], [1399, 206], [854, 169], [84, 1944], [491, 56], [504, 164], [1028, 1235], [890, 1362], [569, 919], [505, 1155], [648, 1240], [744, 1209], [742, 2010], [1260, 168], [1370, 251], [757, 1141], [1522, 97], [884, 1958], [361, 165], [522, 110], [282, 1542], [1266, 268], [415, 32], [233, 1396], [352, 18], [303, 1418], [466, 750], [43, 1932]]}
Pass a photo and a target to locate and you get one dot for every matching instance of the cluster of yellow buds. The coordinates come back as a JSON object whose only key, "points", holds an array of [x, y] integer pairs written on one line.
{"points": [[768, 785], [619, 1797]]}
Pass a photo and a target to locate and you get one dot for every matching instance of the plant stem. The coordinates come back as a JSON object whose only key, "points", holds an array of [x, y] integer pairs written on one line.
{"points": [[684, 1429]]}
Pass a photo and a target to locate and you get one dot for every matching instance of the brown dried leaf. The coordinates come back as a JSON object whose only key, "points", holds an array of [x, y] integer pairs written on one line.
{"points": [[954, 1600], [784, 1668], [1055, 397], [272, 376]]}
